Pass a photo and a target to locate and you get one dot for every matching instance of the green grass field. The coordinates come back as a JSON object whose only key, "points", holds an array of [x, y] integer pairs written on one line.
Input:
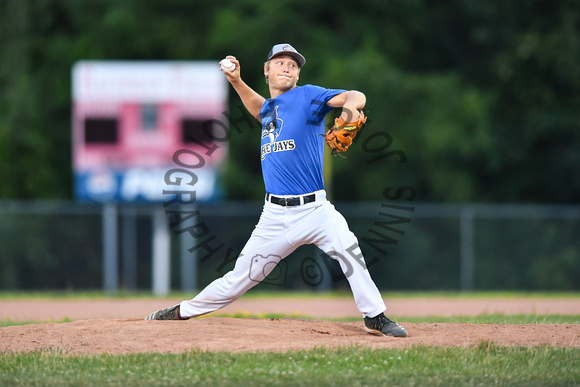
{"points": [[485, 364], [482, 365]]}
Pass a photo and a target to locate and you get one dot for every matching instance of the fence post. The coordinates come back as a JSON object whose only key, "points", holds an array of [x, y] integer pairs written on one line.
{"points": [[188, 265], [467, 254], [161, 254], [110, 256], [129, 249]]}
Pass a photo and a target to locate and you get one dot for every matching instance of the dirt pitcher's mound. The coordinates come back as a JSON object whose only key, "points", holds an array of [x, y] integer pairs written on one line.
{"points": [[123, 336]]}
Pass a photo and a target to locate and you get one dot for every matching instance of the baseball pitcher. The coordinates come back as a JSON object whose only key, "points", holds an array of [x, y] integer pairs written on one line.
{"points": [[296, 211]]}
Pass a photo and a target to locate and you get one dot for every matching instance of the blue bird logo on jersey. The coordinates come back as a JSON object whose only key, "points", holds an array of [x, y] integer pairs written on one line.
{"points": [[272, 126]]}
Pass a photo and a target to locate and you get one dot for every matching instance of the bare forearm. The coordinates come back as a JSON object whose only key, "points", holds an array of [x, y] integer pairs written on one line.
{"points": [[251, 100], [351, 102]]}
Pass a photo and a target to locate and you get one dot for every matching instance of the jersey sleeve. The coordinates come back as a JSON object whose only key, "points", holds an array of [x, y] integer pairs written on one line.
{"points": [[317, 99]]}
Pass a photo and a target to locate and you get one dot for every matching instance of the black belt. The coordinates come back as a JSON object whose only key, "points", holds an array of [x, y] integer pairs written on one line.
{"points": [[290, 202]]}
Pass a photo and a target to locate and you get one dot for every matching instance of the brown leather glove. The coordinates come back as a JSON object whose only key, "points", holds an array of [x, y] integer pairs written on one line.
{"points": [[340, 136]]}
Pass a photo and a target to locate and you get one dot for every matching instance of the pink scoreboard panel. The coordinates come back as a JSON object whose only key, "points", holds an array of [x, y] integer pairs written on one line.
{"points": [[132, 121]]}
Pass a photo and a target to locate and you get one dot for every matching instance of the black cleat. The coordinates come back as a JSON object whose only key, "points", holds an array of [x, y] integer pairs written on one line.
{"points": [[166, 314], [382, 325]]}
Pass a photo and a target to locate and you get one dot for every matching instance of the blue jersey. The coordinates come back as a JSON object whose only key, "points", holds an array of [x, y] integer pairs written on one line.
{"points": [[292, 147]]}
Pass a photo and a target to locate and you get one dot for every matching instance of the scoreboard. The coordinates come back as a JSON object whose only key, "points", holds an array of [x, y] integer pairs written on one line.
{"points": [[129, 118]]}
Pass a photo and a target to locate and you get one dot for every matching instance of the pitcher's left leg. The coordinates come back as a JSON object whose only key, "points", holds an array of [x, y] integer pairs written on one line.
{"points": [[349, 256], [328, 230]]}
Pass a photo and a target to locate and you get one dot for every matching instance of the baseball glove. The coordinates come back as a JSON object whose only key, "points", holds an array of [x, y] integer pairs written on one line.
{"points": [[340, 136]]}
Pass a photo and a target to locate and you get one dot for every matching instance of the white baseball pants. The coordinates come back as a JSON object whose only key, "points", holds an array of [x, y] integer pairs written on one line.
{"points": [[278, 233]]}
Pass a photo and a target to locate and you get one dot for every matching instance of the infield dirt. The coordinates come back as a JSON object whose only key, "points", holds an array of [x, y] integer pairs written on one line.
{"points": [[117, 326]]}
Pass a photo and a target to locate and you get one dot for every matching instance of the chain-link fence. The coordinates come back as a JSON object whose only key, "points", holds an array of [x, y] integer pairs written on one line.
{"points": [[58, 245]]}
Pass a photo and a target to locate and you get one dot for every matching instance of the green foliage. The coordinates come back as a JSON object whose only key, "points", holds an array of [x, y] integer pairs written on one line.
{"points": [[50, 252], [481, 97], [484, 364], [544, 257]]}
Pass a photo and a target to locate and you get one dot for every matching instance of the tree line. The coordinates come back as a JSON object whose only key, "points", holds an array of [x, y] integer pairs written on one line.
{"points": [[467, 100]]}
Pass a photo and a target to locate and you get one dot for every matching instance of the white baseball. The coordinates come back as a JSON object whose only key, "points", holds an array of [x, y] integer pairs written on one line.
{"points": [[227, 65]]}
